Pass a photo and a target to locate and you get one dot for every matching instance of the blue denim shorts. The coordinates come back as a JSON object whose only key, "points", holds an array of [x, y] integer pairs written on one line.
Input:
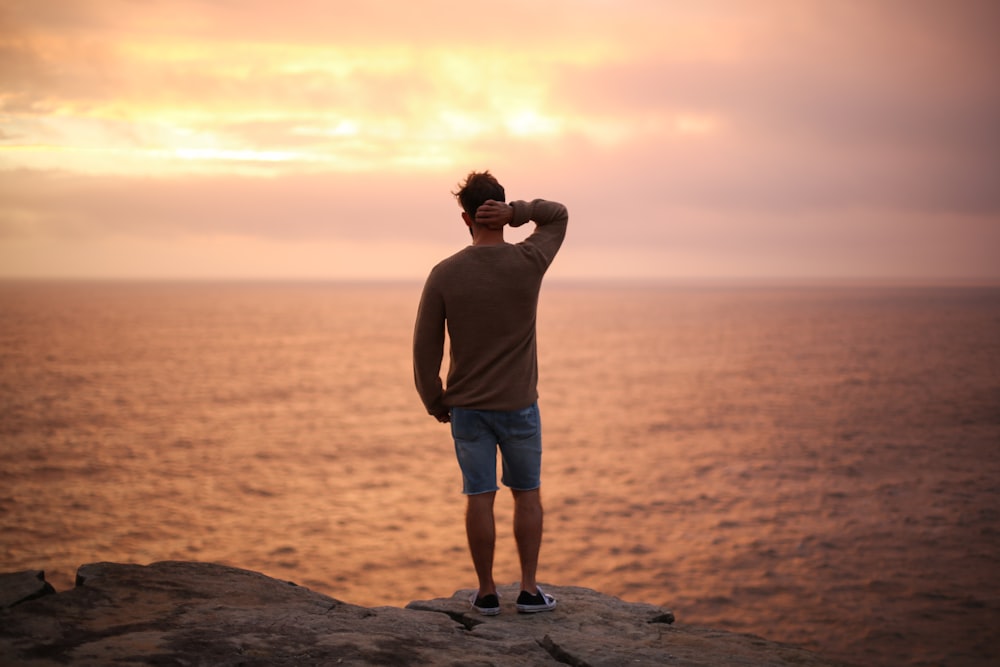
{"points": [[518, 434]]}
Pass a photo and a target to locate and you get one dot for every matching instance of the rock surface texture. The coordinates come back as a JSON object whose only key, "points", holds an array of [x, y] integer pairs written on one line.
{"points": [[185, 613]]}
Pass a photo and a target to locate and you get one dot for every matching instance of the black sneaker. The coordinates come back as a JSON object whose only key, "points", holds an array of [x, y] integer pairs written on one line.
{"points": [[488, 605], [540, 601]]}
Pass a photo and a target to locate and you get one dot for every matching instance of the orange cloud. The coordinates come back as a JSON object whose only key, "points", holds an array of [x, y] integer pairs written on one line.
{"points": [[171, 119]]}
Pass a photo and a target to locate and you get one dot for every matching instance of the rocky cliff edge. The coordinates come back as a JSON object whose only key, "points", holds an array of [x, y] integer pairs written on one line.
{"points": [[190, 613]]}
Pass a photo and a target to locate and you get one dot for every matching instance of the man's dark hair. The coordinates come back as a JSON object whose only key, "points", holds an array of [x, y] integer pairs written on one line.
{"points": [[477, 188]]}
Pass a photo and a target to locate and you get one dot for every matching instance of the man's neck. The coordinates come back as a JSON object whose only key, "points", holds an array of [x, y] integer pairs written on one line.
{"points": [[485, 236]]}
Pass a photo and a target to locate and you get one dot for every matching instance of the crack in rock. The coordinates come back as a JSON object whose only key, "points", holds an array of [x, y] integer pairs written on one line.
{"points": [[560, 654]]}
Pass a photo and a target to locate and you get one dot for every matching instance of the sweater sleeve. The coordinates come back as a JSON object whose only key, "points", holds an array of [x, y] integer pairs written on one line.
{"points": [[551, 219], [428, 349]]}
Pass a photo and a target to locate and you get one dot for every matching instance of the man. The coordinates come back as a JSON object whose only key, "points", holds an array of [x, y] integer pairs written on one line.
{"points": [[486, 295]]}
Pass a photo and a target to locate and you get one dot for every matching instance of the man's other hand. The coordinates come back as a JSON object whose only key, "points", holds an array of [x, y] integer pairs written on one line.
{"points": [[494, 214], [444, 417]]}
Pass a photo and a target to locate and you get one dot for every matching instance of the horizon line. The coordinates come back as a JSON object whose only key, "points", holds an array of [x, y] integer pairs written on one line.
{"points": [[555, 281]]}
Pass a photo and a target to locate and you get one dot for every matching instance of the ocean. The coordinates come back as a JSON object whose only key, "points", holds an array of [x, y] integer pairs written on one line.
{"points": [[816, 465]]}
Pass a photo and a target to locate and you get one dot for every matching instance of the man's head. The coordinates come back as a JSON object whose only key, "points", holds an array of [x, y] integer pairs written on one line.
{"points": [[477, 188]]}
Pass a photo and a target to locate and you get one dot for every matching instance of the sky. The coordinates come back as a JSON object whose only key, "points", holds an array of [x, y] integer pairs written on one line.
{"points": [[792, 140]]}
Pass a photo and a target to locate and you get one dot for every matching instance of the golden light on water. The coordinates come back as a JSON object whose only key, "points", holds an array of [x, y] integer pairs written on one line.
{"points": [[806, 464]]}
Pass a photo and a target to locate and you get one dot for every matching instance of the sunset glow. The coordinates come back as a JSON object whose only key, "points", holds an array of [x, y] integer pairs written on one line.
{"points": [[785, 124]]}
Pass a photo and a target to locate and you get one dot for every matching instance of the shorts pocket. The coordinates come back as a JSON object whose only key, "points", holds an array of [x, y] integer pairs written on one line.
{"points": [[465, 425], [524, 423]]}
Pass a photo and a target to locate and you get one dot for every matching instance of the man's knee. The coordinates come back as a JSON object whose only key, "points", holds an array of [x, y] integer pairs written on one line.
{"points": [[527, 498], [481, 501]]}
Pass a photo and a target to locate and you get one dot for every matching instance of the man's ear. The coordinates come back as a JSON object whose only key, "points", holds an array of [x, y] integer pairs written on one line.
{"points": [[467, 218]]}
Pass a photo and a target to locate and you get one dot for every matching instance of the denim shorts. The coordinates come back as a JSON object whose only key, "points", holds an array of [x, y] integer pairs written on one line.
{"points": [[477, 435]]}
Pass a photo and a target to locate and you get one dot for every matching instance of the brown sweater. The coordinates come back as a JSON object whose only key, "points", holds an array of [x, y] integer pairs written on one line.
{"points": [[487, 297]]}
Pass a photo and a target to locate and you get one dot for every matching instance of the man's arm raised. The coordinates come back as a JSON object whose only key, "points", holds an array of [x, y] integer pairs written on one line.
{"points": [[551, 219]]}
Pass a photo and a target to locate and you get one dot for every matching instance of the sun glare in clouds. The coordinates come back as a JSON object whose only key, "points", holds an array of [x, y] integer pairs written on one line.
{"points": [[693, 124], [273, 108], [165, 92], [338, 122], [185, 88]]}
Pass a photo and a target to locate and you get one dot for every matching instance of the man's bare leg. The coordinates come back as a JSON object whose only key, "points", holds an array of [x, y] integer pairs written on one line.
{"points": [[480, 529], [528, 534]]}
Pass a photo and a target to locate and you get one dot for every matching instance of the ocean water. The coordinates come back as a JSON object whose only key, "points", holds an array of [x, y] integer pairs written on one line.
{"points": [[820, 466]]}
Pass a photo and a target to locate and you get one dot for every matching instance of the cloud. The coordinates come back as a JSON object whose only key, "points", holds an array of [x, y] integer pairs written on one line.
{"points": [[871, 122], [301, 207], [694, 137]]}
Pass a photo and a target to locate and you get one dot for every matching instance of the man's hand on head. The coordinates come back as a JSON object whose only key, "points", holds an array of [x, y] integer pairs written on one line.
{"points": [[494, 214]]}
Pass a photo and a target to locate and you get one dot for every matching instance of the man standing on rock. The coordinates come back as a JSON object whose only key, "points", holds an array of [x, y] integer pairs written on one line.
{"points": [[486, 295]]}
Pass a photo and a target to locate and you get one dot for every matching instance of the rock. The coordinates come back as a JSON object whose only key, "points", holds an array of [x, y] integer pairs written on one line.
{"points": [[590, 628], [18, 587], [184, 613]]}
